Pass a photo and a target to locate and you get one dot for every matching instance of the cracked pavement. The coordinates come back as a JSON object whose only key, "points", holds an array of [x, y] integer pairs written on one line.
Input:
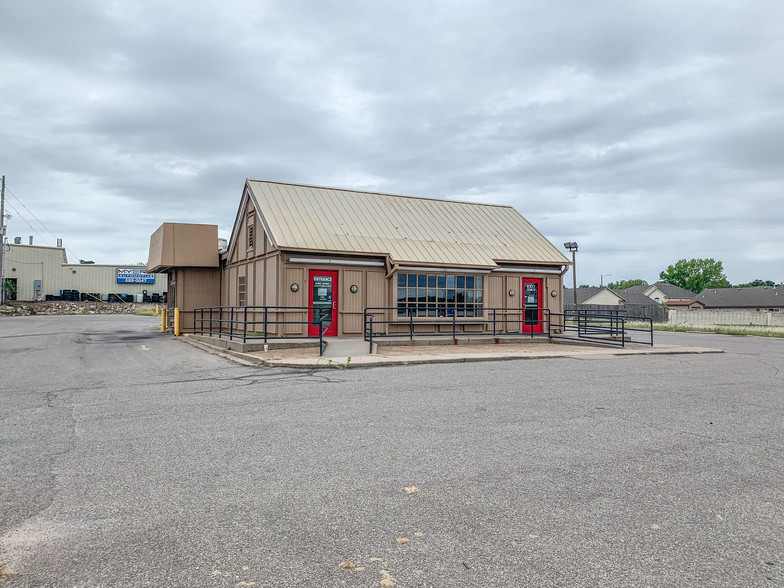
{"points": [[132, 459]]}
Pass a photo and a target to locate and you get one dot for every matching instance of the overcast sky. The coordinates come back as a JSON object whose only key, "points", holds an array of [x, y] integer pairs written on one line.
{"points": [[645, 131]]}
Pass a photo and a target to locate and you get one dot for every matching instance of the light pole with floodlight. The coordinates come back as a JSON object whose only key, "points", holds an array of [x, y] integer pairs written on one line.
{"points": [[572, 246]]}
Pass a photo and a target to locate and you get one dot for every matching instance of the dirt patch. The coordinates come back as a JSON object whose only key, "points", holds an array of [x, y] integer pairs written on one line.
{"points": [[14, 308]]}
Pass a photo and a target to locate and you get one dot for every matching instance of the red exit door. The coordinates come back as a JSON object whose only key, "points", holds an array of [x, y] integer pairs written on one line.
{"points": [[532, 303], [323, 298]]}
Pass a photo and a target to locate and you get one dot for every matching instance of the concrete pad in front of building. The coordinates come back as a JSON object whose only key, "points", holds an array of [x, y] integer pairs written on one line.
{"points": [[389, 355]]}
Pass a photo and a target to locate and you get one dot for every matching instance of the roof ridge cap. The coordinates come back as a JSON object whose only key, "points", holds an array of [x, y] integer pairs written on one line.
{"points": [[433, 198]]}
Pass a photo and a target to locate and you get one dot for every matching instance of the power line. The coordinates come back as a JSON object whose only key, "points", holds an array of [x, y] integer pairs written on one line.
{"points": [[32, 228], [39, 222], [31, 213]]}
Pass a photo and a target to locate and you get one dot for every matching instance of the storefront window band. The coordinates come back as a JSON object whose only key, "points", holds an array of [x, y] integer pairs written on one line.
{"points": [[439, 295]]}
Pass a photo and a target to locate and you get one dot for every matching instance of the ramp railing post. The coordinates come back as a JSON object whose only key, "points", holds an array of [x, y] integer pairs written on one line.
{"points": [[321, 335]]}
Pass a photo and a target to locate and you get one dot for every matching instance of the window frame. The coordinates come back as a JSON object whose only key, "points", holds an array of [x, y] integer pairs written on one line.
{"points": [[242, 290], [436, 296]]}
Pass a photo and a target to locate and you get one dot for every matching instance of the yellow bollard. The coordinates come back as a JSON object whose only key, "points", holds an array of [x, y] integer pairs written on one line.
{"points": [[157, 310], [176, 322], [163, 320]]}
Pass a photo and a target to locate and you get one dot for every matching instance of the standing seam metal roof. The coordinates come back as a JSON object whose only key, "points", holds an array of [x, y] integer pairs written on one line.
{"points": [[407, 229]]}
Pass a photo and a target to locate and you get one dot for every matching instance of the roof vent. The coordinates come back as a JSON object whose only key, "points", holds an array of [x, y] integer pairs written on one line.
{"points": [[17, 240]]}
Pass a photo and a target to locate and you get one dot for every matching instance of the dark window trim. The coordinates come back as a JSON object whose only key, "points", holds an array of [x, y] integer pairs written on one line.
{"points": [[441, 296]]}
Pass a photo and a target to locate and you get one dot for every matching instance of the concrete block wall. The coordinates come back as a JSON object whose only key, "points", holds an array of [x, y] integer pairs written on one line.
{"points": [[705, 318]]}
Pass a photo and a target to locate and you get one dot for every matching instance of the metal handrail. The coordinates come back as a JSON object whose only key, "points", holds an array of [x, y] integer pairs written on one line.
{"points": [[210, 320], [609, 328], [543, 318]]}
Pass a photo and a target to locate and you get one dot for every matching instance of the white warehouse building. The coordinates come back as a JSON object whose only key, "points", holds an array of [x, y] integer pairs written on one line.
{"points": [[35, 272]]}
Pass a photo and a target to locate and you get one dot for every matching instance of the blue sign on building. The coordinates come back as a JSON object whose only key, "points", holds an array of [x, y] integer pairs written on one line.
{"points": [[134, 276]]}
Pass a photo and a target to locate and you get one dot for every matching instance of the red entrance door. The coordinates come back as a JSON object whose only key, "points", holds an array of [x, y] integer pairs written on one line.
{"points": [[323, 298], [532, 304]]}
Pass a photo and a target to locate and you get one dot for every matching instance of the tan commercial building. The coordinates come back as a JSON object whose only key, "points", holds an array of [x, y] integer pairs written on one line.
{"points": [[306, 255], [35, 272]]}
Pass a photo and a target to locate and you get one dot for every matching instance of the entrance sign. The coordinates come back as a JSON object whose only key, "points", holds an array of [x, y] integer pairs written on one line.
{"points": [[134, 276]]}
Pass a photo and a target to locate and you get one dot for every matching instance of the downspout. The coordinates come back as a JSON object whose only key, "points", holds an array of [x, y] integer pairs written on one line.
{"points": [[391, 268]]}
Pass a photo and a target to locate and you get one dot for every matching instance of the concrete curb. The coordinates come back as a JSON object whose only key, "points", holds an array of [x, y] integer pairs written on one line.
{"points": [[361, 363]]}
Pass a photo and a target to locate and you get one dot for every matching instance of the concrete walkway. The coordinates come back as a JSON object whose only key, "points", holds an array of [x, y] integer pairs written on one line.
{"points": [[354, 353]]}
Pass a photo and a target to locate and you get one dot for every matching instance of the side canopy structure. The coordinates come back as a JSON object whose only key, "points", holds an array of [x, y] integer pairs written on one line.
{"points": [[188, 253], [183, 245]]}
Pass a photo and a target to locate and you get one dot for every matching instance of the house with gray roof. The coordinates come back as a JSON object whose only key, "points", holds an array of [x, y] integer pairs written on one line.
{"points": [[761, 298], [605, 296], [662, 292]]}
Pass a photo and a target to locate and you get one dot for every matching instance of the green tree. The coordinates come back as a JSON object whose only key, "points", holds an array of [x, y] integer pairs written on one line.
{"points": [[696, 274], [756, 283], [9, 285], [623, 284]]}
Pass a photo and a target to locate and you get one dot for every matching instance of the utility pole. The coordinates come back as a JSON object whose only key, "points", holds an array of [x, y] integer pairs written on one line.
{"points": [[2, 241]]}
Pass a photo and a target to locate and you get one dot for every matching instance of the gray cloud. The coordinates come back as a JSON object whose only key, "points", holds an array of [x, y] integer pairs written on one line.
{"points": [[647, 133]]}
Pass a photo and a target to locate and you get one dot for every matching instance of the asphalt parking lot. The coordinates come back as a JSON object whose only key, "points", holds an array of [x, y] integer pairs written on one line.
{"points": [[130, 458]]}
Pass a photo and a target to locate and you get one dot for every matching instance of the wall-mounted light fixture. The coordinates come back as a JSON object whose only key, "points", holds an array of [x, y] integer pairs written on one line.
{"points": [[354, 289], [511, 292], [294, 287], [554, 293]]}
